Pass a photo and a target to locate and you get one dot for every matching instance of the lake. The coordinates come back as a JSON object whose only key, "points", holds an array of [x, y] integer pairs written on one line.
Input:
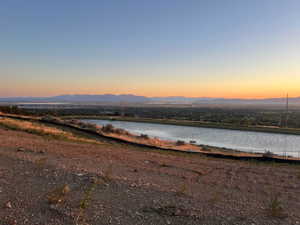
{"points": [[247, 141]]}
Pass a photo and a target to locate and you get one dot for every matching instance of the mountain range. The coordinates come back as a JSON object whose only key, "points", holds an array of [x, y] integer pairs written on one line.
{"points": [[110, 98]]}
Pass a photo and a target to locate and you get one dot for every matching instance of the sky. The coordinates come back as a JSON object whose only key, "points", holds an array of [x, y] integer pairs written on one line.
{"points": [[193, 48]]}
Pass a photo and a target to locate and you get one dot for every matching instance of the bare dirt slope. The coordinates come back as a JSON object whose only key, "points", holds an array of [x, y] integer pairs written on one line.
{"points": [[50, 181]]}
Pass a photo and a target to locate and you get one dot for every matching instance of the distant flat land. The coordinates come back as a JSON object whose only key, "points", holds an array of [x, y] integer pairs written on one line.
{"points": [[268, 118]]}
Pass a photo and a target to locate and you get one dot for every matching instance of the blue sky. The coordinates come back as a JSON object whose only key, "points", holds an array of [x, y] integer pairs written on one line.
{"points": [[224, 48]]}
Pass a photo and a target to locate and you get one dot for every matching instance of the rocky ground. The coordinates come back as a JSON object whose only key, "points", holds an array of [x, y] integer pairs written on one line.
{"points": [[45, 180]]}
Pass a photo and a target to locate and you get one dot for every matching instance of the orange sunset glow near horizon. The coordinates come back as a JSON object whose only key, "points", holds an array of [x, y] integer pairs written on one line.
{"points": [[235, 49]]}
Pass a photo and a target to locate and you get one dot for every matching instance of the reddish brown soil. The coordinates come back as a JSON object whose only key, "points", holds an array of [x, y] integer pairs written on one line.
{"points": [[138, 185]]}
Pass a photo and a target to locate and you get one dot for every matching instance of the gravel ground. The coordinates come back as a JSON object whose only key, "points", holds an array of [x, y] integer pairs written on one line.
{"points": [[49, 181]]}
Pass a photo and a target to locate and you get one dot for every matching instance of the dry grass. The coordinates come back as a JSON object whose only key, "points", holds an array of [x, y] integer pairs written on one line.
{"points": [[44, 130], [275, 208], [84, 203], [108, 173], [58, 195], [215, 198], [183, 189], [41, 162]]}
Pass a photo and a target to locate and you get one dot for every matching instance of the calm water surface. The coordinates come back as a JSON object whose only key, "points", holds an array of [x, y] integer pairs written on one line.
{"points": [[233, 139]]}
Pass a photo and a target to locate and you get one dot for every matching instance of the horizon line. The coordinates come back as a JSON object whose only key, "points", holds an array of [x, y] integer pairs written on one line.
{"points": [[169, 96]]}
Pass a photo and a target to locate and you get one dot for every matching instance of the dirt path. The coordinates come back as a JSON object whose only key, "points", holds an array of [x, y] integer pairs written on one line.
{"points": [[113, 183]]}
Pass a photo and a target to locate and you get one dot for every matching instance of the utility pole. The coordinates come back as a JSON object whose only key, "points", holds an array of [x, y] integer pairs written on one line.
{"points": [[287, 110]]}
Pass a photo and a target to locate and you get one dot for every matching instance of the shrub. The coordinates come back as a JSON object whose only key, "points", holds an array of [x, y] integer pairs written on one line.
{"points": [[268, 154], [49, 118], [109, 128], [81, 124], [206, 148], [75, 122], [179, 142], [90, 126], [12, 110], [144, 136], [120, 131]]}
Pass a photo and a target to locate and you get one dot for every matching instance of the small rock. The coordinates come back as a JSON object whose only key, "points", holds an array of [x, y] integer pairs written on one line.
{"points": [[80, 174], [20, 149], [8, 205], [94, 180], [12, 222], [66, 189]]}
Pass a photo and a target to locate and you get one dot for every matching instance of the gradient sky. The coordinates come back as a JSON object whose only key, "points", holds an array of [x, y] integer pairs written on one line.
{"points": [[212, 48]]}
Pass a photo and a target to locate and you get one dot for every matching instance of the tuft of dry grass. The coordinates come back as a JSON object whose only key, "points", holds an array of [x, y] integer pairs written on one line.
{"points": [[107, 175], [84, 203], [41, 162], [275, 208], [183, 189], [215, 198], [58, 195], [268, 154], [42, 129]]}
